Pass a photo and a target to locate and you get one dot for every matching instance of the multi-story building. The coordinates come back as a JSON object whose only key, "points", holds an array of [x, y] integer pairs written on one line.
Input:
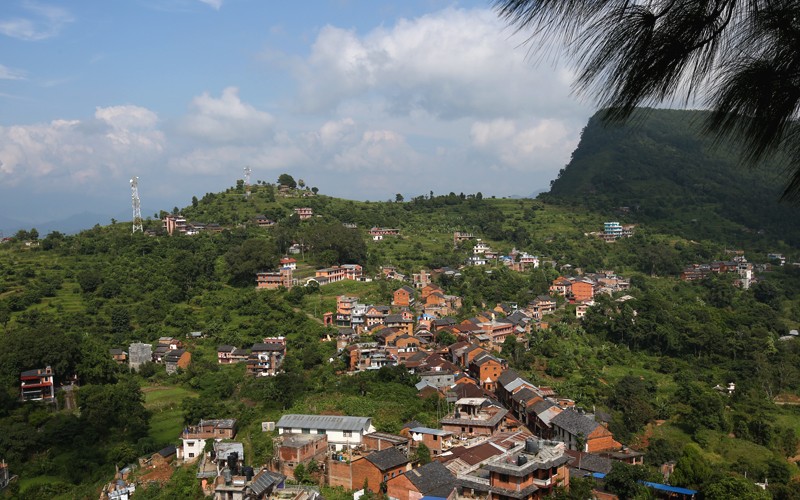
{"points": [[266, 358], [342, 431], [175, 224], [194, 437], [530, 473], [304, 213], [228, 354], [37, 385], [138, 354], [271, 280], [474, 417]]}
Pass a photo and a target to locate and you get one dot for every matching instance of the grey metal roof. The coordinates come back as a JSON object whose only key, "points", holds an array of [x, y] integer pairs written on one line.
{"points": [[327, 422], [523, 395], [507, 377], [432, 479], [387, 459], [270, 346], [574, 423]]}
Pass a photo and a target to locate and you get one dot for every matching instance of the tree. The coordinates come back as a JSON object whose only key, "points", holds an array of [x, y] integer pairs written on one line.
{"points": [[315, 190], [740, 58], [398, 198], [423, 454], [624, 480], [252, 256], [287, 180], [301, 183]]}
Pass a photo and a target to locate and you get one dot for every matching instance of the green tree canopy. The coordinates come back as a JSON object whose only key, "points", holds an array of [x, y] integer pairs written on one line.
{"points": [[740, 58]]}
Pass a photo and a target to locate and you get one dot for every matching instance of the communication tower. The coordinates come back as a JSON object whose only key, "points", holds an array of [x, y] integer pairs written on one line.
{"points": [[137, 208], [247, 173]]}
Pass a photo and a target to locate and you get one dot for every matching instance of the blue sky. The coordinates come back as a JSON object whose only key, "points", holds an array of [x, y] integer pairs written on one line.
{"points": [[362, 99]]}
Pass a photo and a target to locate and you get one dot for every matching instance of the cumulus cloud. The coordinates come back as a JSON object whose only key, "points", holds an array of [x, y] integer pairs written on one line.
{"points": [[226, 119], [532, 147], [71, 152], [45, 21], [451, 64]]}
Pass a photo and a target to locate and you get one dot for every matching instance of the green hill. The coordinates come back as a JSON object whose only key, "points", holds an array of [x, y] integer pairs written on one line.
{"points": [[675, 179]]}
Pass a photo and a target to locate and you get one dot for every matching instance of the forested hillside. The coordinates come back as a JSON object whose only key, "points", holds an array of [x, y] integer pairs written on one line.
{"points": [[650, 359], [673, 177]]}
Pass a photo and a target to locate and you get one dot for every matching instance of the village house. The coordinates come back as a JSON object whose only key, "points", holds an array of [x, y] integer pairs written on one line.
{"points": [[227, 354], [403, 322], [474, 417], [438, 441], [304, 213], [486, 369], [375, 315], [421, 279], [376, 469], [37, 385], [296, 449], [378, 233], [263, 221], [177, 358], [342, 431], [266, 358], [118, 355], [481, 248], [531, 473], [272, 280], [377, 441], [289, 263], [248, 485], [461, 236], [581, 432], [138, 354], [403, 297], [174, 224], [431, 480], [193, 438]]}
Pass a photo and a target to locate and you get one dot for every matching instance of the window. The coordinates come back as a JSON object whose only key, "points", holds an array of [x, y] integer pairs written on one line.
{"points": [[190, 443], [347, 434], [320, 431], [435, 437], [191, 455], [306, 431]]}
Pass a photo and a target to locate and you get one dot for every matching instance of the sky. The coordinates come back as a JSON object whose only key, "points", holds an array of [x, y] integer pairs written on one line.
{"points": [[359, 98]]}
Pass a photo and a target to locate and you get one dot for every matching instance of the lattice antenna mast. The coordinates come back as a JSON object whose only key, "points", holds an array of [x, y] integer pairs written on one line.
{"points": [[137, 207], [247, 173]]}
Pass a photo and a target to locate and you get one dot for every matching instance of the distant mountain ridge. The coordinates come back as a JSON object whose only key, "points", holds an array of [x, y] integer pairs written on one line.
{"points": [[660, 169], [69, 225]]}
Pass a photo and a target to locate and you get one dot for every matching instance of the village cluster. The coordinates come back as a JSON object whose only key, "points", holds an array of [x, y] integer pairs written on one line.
{"points": [[501, 436]]}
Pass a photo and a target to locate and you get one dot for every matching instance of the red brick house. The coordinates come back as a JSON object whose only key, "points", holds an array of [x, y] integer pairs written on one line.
{"points": [[430, 480], [403, 296], [376, 469], [529, 474]]}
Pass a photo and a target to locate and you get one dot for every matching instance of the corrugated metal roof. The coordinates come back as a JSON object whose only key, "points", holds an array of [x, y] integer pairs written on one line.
{"points": [[327, 422]]}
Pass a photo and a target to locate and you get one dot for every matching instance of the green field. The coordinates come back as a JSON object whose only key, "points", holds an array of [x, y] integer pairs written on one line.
{"points": [[165, 404]]}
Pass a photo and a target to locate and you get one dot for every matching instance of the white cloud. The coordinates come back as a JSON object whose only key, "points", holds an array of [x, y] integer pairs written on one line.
{"points": [[532, 147], [7, 73], [46, 22], [377, 150], [214, 4], [451, 64], [226, 120], [72, 152]]}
